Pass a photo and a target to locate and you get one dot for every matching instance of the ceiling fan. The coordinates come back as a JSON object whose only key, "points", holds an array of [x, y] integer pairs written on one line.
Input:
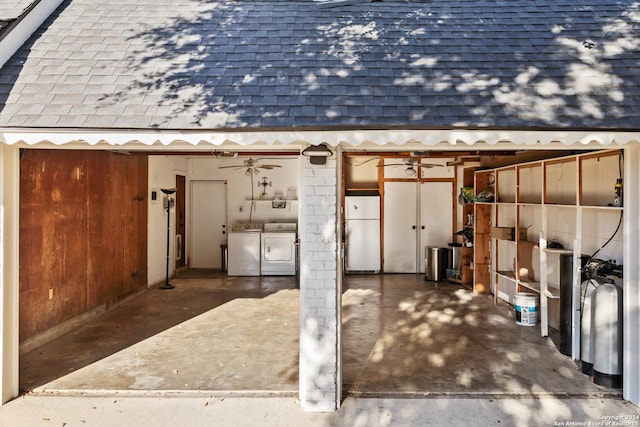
{"points": [[410, 164], [252, 166]]}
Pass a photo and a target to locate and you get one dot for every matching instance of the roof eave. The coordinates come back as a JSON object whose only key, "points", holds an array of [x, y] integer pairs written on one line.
{"points": [[202, 139]]}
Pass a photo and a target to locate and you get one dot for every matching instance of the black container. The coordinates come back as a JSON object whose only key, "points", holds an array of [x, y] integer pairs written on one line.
{"points": [[566, 300]]}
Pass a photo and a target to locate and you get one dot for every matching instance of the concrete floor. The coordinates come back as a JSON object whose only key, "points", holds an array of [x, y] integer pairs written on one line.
{"points": [[402, 336]]}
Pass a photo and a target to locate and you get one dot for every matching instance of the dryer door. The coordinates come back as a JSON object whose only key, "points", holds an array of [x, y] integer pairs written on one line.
{"points": [[278, 254], [277, 248]]}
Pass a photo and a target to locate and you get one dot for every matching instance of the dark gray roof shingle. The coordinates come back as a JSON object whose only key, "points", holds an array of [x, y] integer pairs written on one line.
{"points": [[191, 64]]}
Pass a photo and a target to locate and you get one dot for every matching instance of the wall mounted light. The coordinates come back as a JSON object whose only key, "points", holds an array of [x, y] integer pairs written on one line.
{"points": [[317, 153]]}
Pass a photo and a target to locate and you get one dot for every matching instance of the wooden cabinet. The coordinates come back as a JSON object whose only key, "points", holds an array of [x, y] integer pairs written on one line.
{"points": [[416, 215], [566, 203]]}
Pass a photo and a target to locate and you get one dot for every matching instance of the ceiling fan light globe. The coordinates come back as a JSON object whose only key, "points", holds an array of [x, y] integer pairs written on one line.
{"points": [[410, 171]]}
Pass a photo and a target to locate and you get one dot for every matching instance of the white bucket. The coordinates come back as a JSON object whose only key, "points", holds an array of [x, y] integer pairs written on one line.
{"points": [[526, 306]]}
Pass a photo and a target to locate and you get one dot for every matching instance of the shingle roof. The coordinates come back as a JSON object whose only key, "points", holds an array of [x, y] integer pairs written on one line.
{"points": [[200, 64], [10, 10]]}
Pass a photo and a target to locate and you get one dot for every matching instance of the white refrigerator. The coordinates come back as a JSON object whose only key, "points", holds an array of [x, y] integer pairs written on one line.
{"points": [[362, 234]]}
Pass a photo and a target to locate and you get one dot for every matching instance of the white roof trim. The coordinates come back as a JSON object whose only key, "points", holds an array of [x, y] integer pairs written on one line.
{"points": [[13, 40], [208, 140]]}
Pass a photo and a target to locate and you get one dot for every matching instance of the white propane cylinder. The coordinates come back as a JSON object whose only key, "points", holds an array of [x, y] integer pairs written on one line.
{"points": [[607, 335], [586, 339]]}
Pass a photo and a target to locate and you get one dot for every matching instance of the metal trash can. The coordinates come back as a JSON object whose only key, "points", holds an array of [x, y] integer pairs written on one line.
{"points": [[436, 260], [455, 255], [224, 253]]}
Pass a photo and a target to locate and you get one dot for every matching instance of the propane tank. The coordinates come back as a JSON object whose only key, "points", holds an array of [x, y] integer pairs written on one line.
{"points": [[607, 335], [586, 338]]}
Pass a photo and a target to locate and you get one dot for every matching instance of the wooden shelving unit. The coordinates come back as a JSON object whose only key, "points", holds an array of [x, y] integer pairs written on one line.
{"points": [[464, 275], [483, 180], [566, 200]]}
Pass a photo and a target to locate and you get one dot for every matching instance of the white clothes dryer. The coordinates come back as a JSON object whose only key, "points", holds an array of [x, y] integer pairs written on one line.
{"points": [[278, 249]]}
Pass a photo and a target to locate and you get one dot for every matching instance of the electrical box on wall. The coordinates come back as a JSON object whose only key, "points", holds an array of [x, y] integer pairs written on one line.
{"points": [[154, 196]]}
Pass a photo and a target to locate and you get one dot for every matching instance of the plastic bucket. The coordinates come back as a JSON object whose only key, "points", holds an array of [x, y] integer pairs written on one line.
{"points": [[526, 306]]}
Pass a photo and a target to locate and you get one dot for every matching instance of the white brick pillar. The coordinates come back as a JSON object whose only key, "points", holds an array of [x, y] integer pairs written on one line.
{"points": [[320, 382]]}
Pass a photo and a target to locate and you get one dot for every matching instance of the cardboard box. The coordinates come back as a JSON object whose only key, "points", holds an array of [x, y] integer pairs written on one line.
{"points": [[508, 233]]}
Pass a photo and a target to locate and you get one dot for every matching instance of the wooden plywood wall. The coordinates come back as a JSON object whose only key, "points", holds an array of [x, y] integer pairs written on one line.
{"points": [[83, 233]]}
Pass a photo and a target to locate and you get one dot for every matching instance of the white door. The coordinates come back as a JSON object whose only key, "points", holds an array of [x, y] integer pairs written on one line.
{"points": [[400, 225], [413, 221], [208, 223], [436, 217]]}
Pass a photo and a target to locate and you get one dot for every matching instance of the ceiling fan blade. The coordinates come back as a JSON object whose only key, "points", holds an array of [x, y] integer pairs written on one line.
{"points": [[268, 166], [233, 166], [431, 165]]}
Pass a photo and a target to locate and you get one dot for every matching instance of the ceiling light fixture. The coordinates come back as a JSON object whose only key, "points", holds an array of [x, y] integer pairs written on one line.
{"points": [[410, 171]]}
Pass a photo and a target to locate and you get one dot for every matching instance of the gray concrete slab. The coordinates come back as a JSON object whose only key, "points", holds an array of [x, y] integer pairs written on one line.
{"points": [[402, 337], [211, 332], [220, 350], [36, 411], [405, 336]]}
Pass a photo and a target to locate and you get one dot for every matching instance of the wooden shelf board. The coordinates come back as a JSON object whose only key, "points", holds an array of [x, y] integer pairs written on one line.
{"points": [[505, 240], [560, 205], [530, 284], [552, 292], [533, 204], [558, 251], [605, 208], [271, 200], [509, 275]]}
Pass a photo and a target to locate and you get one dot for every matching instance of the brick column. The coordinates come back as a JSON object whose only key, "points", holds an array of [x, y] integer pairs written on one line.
{"points": [[319, 334]]}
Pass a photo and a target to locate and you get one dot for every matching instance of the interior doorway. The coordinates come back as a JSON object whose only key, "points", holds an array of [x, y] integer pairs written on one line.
{"points": [[181, 237], [209, 223]]}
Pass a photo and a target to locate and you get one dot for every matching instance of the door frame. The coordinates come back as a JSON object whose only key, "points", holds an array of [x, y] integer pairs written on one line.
{"points": [[180, 249]]}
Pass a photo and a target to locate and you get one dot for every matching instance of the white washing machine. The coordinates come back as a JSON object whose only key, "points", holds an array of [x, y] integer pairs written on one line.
{"points": [[278, 249], [243, 250]]}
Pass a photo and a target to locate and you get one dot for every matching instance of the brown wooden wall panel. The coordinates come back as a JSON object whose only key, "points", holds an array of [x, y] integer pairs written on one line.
{"points": [[74, 230], [53, 221], [106, 221], [135, 254]]}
